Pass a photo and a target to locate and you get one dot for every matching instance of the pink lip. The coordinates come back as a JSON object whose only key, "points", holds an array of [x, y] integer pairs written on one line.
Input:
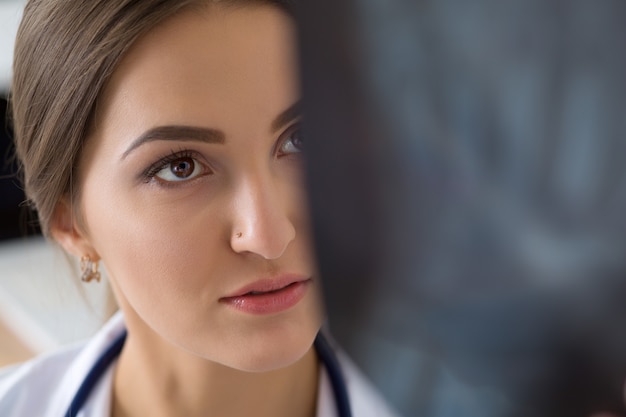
{"points": [[269, 296]]}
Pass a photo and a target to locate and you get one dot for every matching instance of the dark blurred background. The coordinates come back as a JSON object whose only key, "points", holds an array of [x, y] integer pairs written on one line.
{"points": [[14, 221], [13, 218]]}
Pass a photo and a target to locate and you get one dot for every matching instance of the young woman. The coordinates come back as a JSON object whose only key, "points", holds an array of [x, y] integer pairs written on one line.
{"points": [[160, 139]]}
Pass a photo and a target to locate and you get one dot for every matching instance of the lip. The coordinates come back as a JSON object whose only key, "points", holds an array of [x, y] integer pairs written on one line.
{"points": [[269, 296]]}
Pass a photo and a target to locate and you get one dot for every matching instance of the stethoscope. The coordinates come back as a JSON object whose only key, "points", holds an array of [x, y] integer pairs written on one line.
{"points": [[323, 348]]}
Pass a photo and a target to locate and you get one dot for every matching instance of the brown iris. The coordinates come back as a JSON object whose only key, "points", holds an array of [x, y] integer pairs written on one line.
{"points": [[183, 167]]}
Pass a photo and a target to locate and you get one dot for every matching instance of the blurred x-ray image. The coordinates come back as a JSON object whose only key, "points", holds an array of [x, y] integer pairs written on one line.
{"points": [[467, 172]]}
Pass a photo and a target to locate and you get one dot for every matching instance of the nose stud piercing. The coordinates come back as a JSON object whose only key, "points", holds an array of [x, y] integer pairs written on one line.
{"points": [[238, 234], [89, 269]]}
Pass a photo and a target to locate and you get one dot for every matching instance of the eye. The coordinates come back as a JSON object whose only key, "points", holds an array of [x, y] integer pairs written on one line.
{"points": [[180, 169], [291, 141], [175, 168]]}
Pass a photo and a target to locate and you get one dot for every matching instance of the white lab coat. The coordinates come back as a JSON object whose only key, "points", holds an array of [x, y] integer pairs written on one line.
{"points": [[46, 385]]}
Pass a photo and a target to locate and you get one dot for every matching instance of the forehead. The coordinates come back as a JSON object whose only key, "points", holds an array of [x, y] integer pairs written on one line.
{"points": [[202, 63]]}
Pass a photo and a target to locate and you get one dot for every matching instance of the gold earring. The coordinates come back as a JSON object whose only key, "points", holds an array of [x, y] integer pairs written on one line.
{"points": [[89, 269]]}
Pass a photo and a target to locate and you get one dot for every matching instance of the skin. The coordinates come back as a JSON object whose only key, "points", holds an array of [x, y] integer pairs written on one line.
{"points": [[172, 249]]}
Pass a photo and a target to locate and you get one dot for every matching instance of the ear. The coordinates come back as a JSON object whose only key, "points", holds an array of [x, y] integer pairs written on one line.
{"points": [[66, 230]]}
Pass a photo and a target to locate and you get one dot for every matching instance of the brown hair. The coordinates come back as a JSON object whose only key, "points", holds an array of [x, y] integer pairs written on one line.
{"points": [[65, 52]]}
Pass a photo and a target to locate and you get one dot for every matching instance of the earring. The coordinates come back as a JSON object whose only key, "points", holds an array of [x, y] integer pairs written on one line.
{"points": [[89, 269]]}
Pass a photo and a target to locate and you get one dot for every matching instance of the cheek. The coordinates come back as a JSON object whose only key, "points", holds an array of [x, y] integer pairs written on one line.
{"points": [[151, 248]]}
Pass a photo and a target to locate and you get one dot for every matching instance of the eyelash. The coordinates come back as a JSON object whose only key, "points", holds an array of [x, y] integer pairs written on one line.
{"points": [[150, 173]]}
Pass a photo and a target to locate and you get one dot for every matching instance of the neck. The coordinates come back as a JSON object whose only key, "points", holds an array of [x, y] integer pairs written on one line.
{"points": [[177, 383]]}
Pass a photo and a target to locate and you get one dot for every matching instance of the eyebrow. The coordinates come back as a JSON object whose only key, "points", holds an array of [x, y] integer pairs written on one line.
{"points": [[293, 112], [176, 133], [203, 134]]}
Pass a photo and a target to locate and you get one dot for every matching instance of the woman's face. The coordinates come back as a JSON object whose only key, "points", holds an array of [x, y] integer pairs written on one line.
{"points": [[192, 189]]}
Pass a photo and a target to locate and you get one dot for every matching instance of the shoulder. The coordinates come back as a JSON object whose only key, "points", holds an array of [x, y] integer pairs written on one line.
{"points": [[36, 378], [45, 385]]}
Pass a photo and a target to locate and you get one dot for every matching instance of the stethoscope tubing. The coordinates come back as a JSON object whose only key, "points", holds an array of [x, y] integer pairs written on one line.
{"points": [[322, 346], [94, 375]]}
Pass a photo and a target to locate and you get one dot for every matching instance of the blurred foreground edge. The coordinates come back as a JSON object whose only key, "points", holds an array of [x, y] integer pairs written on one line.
{"points": [[468, 190]]}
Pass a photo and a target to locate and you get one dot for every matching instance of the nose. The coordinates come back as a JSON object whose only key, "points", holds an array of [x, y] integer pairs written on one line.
{"points": [[261, 222]]}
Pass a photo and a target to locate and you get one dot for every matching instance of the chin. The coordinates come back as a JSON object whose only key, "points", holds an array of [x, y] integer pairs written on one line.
{"points": [[271, 352], [269, 364]]}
